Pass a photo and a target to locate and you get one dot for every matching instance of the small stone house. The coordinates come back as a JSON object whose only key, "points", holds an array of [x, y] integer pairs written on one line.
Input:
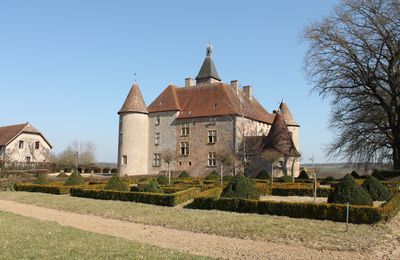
{"points": [[23, 143], [200, 127]]}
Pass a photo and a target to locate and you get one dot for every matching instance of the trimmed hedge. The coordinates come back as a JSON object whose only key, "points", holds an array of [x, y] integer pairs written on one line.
{"points": [[323, 211], [213, 176], [75, 179], [303, 175], [162, 180], [286, 179], [263, 174], [298, 191], [184, 174], [348, 191], [376, 189], [141, 197], [52, 189], [382, 175], [116, 183], [240, 187]]}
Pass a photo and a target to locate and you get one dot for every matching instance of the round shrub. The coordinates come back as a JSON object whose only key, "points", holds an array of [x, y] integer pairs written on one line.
{"points": [[227, 178], [184, 174], [355, 175], [376, 189], [62, 175], [286, 178], [240, 187], [263, 174], [114, 170], [303, 175], [348, 191], [162, 180], [74, 179], [41, 180], [117, 184], [329, 178], [152, 187], [213, 176]]}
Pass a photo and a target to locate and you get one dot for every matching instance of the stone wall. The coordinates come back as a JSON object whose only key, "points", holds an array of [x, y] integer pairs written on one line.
{"points": [[13, 153]]}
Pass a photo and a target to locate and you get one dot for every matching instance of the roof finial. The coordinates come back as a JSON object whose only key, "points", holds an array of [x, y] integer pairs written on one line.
{"points": [[209, 49]]}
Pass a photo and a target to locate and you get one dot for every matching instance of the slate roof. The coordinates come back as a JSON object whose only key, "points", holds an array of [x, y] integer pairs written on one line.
{"points": [[208, 69], [9, 133], [212, 99], [134, 102]]}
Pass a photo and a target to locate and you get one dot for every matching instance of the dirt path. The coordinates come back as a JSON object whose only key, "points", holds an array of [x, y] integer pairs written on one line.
{"points": [[193, 243]]}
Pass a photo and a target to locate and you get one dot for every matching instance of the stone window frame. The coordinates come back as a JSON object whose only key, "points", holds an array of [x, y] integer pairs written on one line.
{"points": [[156, 160], [157, 120], [211, 137], [212, 159], [185, 129], [37, 145], [124, 159], [184, 148], [157, 138]]}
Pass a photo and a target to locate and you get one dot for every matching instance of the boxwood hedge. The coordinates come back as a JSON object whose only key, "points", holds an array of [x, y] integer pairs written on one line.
{"points": [[52, 189]]}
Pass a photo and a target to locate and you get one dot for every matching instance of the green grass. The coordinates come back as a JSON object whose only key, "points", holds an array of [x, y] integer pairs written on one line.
{"points": [[312, 233], [27, 238]]}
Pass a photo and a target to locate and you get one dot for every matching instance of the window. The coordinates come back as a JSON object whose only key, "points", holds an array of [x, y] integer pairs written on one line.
{"points": [[37, 145], [124, 160], [184, 129], [184, 148], [157, 160], [157, 139], [21, 144], [212, 160], [158, 120], [212, 136], [121, 138], [211, 121], [28, 159]]}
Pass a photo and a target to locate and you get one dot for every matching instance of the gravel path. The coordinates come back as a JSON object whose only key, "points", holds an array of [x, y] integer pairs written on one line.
{"points": [[193, 243]]}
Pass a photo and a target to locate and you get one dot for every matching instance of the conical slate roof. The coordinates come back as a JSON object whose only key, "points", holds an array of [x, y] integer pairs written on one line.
{"points": [[283, 107], [208, 69], [134, 102], [279, 139]]}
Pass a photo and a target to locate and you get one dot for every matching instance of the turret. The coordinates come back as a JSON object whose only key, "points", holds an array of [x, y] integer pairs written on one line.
{"points": [[133, 134]]}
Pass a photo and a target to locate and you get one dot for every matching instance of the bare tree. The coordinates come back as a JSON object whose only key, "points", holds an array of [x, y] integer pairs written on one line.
{"points": [[225, 158], [168, 156], [78, 153], [354, 57]]}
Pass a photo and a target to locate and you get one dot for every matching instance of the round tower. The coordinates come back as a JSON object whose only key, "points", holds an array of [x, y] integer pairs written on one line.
{"points": [[133, 135]]}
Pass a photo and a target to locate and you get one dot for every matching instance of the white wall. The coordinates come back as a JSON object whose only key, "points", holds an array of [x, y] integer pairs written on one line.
{"points": [[15, 154]]}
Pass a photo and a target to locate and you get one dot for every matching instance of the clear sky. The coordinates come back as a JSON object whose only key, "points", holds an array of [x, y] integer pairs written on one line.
{"points": [[67, 66]]}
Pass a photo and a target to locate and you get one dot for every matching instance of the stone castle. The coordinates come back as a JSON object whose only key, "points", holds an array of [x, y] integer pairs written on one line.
{"points": [[205, 125]]}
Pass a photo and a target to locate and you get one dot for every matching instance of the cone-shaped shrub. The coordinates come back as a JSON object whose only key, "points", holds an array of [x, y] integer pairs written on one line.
{"points": [[355, 175], [213, 176], [162, 180], [348, 191], [240, 187], [152, 187], [62, 175], [41, 180], [74, 179], [303, 175], [376, 189], [263, 174], [117, 184], [184, 174]]}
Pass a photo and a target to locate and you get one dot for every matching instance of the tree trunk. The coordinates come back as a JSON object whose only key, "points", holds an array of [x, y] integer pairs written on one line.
{"points": [[396, 157]]}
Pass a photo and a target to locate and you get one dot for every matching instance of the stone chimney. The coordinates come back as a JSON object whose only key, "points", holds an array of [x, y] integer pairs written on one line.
{"points": [[235, 85], [189, 82], [248, 90]]}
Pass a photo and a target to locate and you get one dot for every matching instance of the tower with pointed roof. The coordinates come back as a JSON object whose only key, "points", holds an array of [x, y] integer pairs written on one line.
{"points": [[133, 130], [208, 72]]}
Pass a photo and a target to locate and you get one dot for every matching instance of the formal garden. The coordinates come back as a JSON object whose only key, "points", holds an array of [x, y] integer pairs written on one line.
{"points": [[368, 199]]}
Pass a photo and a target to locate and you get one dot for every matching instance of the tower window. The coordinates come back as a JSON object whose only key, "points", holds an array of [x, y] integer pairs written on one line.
{"points": [[37, 145], [212, 159], [124, 160], [21, 144], [157, 160], [158, 120], [184, 129], [185, 148], [157, 139], [212, 136]]}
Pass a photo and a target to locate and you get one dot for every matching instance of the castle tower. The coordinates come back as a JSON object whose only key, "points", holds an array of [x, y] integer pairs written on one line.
{"points": [[133, 135], [208, 72]]}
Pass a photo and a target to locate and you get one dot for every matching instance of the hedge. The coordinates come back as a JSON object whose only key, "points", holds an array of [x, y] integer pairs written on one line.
{"points": [[324, 211], [307, 192], [52, 189], [141, 197]]}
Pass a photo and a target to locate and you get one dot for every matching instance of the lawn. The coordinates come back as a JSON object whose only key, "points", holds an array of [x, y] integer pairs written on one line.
{"points": [[311, 233], [26, 238]]}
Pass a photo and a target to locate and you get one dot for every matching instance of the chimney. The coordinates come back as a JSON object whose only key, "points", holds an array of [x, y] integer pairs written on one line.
{"points": [[235, 85], [189, 82], [248, 90]]}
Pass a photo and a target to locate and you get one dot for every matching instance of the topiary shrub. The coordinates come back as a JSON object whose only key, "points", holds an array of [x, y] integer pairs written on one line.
{"points": [[240, 187], [348, 191], [41, 180], [376, 189], [162, 180], [355, 175], [263, 174], [62, 175], [286, 178], [152, 187], [117, 184], [329, 178], [303, 175], [227, 178], [184, 174], [74, 179], [213, 176]]}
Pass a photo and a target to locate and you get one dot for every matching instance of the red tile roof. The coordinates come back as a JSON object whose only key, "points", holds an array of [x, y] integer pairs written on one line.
{"points": [[214, 99], [9, 133], [134, 102], [284, 109]]}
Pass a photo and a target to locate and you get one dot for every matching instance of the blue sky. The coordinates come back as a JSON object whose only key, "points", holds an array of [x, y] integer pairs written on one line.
{"points": [[67, 66]]}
